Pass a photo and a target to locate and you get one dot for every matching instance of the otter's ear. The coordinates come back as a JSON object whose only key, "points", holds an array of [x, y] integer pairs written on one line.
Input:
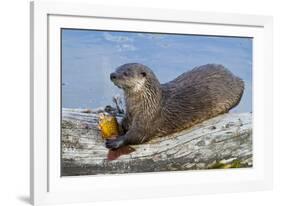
{"points": [[143, 74]]}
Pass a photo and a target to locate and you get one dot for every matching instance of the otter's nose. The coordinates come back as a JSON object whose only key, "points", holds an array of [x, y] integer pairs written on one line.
{"points": [[113, 76]]}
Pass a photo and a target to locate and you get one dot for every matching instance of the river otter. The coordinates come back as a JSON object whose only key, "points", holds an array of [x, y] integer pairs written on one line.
{"points": [[154, 109]]}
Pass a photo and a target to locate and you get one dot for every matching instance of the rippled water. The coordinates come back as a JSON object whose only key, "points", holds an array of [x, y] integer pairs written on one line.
{"points": [[89, 56]]}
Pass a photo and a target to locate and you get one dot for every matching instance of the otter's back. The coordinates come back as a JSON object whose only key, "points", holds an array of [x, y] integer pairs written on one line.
{"points": [[202, 93]]}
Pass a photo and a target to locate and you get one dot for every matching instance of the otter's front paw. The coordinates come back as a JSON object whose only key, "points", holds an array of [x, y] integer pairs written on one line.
{"points": [[114, 143]]}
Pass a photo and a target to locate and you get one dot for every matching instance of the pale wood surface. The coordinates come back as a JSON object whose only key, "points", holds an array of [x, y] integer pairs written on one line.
{"points": [[222, 142]]}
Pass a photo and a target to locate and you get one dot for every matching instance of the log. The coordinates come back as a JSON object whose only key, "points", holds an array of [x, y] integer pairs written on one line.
{"points": [[221, 142]]}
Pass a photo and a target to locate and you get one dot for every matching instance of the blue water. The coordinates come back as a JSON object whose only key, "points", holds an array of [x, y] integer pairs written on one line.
{"points": [[89, 56]]}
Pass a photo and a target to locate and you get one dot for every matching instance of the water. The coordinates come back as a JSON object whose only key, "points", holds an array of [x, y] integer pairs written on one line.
{"points": [[89, 56]]}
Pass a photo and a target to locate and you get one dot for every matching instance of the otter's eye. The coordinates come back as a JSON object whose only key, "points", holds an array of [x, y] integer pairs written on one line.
{"points": [[143, 74], [125, 73]]}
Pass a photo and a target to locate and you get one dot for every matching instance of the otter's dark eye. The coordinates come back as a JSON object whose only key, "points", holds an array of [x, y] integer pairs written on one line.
{"points": [[125, 73], [143, 74]]}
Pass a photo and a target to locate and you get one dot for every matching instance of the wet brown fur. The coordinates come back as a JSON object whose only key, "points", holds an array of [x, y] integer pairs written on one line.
{"points": [[154, 109]]}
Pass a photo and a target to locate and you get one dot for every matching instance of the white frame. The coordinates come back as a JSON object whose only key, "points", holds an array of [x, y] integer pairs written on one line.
{"points": [[46, 184]]}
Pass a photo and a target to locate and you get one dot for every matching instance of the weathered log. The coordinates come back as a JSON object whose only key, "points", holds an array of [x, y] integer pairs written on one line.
{"points": [[222, 142]]}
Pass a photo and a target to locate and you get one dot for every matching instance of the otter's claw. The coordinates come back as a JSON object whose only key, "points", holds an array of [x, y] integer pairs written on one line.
{"points": [[114, 144]]}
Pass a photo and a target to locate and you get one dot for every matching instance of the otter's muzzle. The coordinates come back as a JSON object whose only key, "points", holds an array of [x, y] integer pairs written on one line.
{"points": [[113, 76]]}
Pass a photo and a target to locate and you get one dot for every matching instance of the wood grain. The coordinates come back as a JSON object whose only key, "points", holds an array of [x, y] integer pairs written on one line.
{"points": [[222, 142]]}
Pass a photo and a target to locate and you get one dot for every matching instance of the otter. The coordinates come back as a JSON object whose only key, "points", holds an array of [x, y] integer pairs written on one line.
{"points": [[155, 110]]}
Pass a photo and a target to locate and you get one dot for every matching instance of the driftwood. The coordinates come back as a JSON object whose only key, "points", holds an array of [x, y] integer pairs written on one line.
{"points": [[222, 142]]}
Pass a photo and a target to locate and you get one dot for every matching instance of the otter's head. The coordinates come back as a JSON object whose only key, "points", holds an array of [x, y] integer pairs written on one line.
{"points": [[132, 77]]}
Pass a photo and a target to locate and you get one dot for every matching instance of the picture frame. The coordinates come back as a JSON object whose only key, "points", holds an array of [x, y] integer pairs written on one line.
{"points": [[47, 185]]}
